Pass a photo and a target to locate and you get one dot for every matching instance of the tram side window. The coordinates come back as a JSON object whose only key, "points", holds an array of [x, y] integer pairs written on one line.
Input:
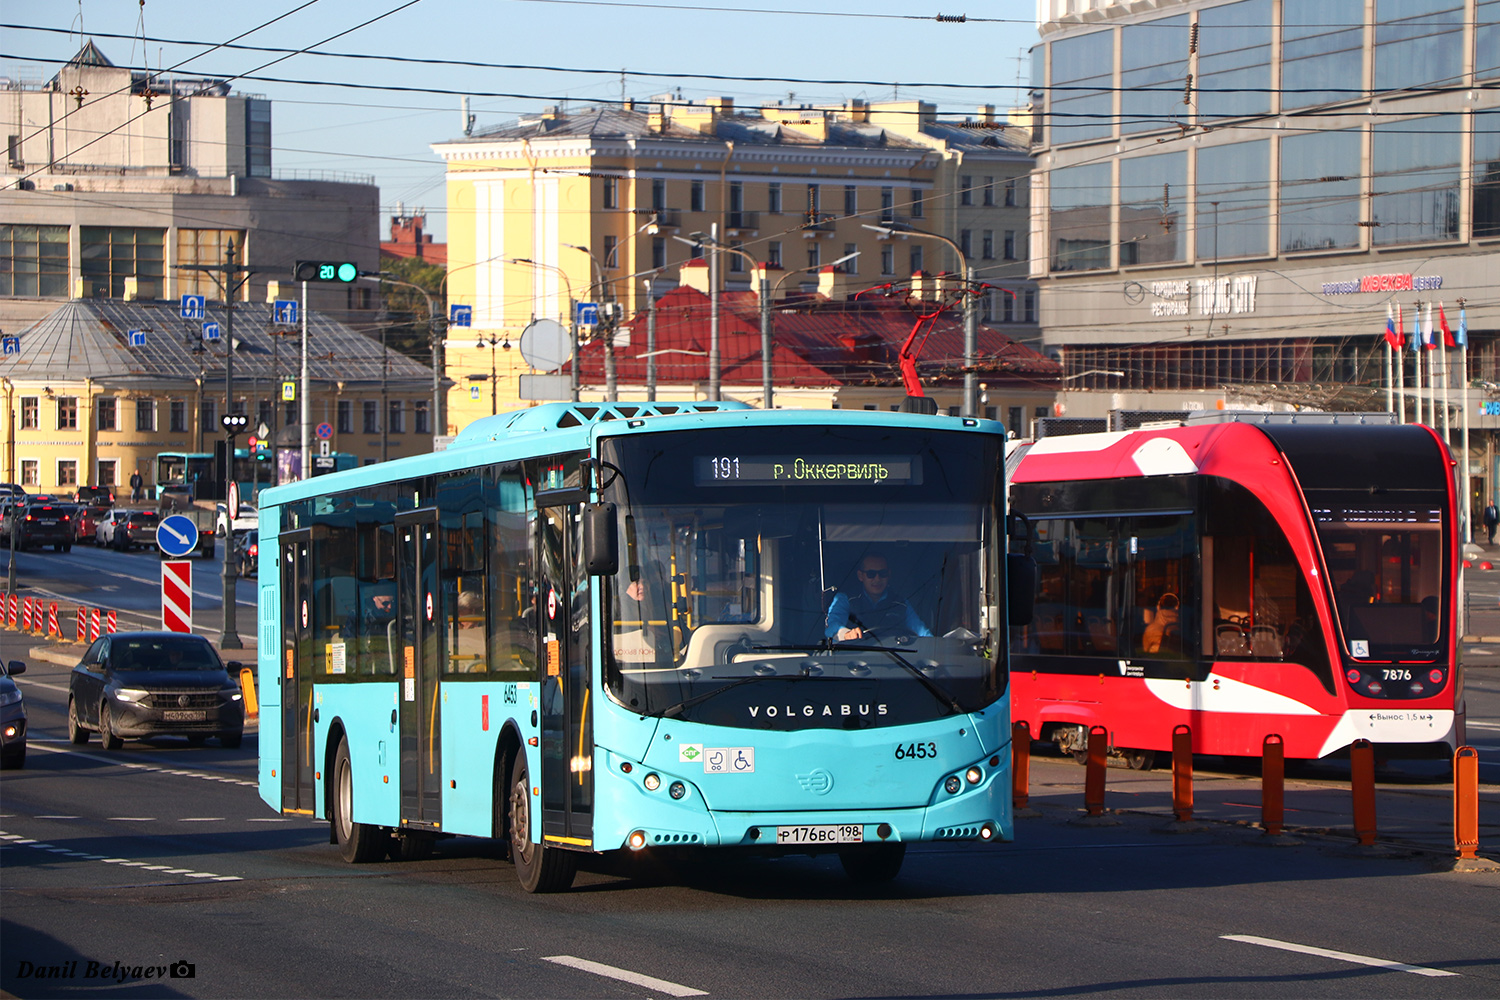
{"points": [[1077, 606], [1160, 550], [512, 585]]}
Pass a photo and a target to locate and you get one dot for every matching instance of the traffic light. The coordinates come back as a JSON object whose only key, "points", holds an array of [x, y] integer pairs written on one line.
{"points": [[341, 271], [234, 422]]}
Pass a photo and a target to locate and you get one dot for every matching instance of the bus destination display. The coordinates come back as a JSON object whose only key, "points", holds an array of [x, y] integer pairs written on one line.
{"points": [[809, 470]]}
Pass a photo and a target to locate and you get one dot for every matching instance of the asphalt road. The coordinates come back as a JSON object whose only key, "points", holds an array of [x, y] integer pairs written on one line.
{"points": [[160, 853]]}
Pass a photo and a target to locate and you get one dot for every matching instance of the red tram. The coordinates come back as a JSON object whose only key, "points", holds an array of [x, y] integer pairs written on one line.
{"points": [[1246, 580]]}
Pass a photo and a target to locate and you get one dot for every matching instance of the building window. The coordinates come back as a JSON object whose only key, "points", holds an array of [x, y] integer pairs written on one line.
{"points": [[814, 255], [1418, 44], [105, 413], [966, 190], [1322, 52], [1320, 200], [208, 416], [264, 410], [206, 247], [736, 202], [421, 417], [30, 413], [346, 417], [915, 259], [257, 139], [658, 251], [111, 254], [887, 204], [851, 199], [1007, 307], [372, 416], [105, 475], [611, 253], [611, 192], [736, 262], [1082, 95], [67, 413], [1153, 64], [916, 204], [1029, 306], [1152, 202], [989, 191], [1416, 181], [851, 258], [987, 307], [658, 194], [773, 253], [1010, 193], [987, 245], [695, 252], [30, 472], [1009, 248], [145, 414], [1233, 201], [34, 260], [67, 472], [398, 416], [1486, 39], [965, 239], [177, 415], [356, 297], [1234, 59], [697, 201], [1079, 219], [887, 260], [773, 197], [1486, 196]]}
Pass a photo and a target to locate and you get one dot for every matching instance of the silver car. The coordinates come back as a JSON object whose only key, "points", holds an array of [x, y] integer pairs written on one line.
{"points": [[104, 532]]}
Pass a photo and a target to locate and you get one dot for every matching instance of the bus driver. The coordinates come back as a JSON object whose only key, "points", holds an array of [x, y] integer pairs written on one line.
{"points": [[873, 610]]}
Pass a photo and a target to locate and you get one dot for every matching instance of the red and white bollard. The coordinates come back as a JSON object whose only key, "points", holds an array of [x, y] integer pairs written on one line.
{"points": [[15, 610], [83, 623], [111, 624], [52, 628], [26, 614], [93, 624]]}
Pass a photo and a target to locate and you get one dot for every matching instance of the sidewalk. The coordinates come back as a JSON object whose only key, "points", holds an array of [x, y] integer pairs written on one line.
{"points": [[1482, 597]]}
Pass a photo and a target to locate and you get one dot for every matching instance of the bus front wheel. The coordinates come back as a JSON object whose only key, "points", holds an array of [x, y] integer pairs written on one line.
{"points": [[872, 862], [540, 868], [359, 843]]}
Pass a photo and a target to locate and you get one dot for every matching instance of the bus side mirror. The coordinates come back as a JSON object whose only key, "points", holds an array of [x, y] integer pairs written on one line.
{"points": [[601, 539]]}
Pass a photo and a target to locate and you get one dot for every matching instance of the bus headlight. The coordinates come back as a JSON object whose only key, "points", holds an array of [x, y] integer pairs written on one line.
{"points": [[952, 784], [652, 782], [973, 775], [636, 840], [678, 790]]}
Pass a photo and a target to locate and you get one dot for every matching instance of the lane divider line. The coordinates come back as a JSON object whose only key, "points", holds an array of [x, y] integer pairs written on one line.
{"points": [[202, 775], [16, 840], [626, 976], [1341, 956]]}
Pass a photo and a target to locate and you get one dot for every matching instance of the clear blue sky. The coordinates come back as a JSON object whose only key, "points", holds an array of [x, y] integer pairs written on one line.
{"points": [[387, 133]]}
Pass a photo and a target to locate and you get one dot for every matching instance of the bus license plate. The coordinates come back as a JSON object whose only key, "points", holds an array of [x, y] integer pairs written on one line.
{"points": [[850, 834], [176, 716]]}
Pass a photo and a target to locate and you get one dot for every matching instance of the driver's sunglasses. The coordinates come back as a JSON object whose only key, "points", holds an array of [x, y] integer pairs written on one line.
{"points": [[874, 572]]}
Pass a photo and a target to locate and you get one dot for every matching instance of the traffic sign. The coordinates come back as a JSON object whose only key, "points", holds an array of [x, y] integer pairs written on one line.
{"points": [[177, 594], [262, 431], [587, 313], [324, 431], [12, 345], [137, 338], [324, 447], [473, 392], [284, 312], [460, 315], [232, 506], [289, 391], [210, 331], [177, 535], [193, 307]]}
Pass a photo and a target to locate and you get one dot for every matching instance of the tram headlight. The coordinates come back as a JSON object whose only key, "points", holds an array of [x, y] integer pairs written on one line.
{"points": [[1374, 687], [1417, 687], [952, 784], [973, 775], [1353, 675], [652, 782], [1436, 677]]}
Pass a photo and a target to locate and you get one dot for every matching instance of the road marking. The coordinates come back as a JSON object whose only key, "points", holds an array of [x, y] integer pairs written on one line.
{"points": [[201, 819], [130, 819], [1483, 725], [16, 840], [38, 684], [1342, 956], [625, 976], [54, 817], [151, 767]]}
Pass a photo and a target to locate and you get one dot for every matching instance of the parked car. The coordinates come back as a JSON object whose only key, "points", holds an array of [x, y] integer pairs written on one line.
{"points": [[44, 521], [137, 527], [95, 496], [247, 518], [133, 685], [247, 547], [104, 530], [12, 717]]}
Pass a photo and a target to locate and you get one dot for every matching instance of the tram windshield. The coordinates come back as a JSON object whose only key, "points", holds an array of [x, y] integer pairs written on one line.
{"points": [[831, 577], [1385, 564]]}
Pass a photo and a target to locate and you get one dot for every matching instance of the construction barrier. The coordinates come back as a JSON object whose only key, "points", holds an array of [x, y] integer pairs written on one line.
{"points": [[1020, 764], [1362, 786], [83, 623], [1272, 785], [26, 614], [52, 628], [12, 611], [93, 624], [1093, 782], [1466, 802], [247, 689], [110, 624], [1182, 773]]}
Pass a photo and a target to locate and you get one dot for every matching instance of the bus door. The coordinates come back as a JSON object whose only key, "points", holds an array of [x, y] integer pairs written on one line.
{"points": [[296, 674], [417, 636], [567, 728]]}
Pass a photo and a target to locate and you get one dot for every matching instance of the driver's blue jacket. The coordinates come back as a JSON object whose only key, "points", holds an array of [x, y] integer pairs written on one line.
{"points": [[889, 616]]}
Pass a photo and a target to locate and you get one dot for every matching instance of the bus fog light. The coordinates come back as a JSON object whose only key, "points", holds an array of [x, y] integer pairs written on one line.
{"points": [[637, 840], [678, 790], [652, 782], [987, 832], [952, 784], [973, 775]]}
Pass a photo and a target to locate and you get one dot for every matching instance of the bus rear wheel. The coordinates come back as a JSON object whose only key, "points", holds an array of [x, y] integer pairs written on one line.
{"points": [[538, 867], [872, 862], [359, 843]]}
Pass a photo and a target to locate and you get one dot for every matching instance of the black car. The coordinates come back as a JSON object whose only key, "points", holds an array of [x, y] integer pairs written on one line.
{"points": [[45, 522], [137, 528], [247, 547], [132, 685], [95, 496], [12, 718]]}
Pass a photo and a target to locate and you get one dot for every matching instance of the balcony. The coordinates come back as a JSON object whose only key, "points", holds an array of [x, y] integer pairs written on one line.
{"points": [[735, 221], [817, 222]]}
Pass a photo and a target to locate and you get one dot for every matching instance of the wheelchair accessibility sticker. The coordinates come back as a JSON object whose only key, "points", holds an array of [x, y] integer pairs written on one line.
{"points": [[729, 760]]}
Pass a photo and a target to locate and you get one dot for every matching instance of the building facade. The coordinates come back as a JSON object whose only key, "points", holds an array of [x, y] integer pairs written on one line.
{"points": [[1230, 196]]}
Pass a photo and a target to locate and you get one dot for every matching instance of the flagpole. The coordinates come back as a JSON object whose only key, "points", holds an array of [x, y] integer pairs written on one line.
{"points": [[1416, 363], [1463, 361], [1400, 367], [1447, 375], [1390, 385]]}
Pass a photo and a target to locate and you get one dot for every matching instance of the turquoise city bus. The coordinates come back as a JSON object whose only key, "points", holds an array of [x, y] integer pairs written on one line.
{"points": [[597, 628]]}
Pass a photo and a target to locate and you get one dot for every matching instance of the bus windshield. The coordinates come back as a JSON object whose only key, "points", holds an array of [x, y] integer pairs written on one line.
{"points": [[831, 577], [1386, 568]]}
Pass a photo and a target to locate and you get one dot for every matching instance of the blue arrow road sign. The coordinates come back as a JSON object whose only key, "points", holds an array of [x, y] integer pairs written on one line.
{"points": [[177, 535], [12, 345], [137, 338], [284, 312], [460, 315], [210, 331], [588, 314], [192, 307]]}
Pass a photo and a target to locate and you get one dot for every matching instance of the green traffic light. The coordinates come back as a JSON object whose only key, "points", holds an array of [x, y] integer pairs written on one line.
{"points": [[348, 272]]}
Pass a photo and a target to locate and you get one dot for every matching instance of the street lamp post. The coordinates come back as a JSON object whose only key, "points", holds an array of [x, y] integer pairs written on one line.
{"points": [[611, 382], [703, 239], [971, 310], [504, 346]]}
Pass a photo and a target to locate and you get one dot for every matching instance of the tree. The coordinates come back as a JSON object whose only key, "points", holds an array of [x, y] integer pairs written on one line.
{"points": [[406, 309]]}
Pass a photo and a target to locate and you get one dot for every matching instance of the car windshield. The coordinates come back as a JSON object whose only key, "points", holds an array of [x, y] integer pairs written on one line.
{"points": [[851, 574], [162, 653]]}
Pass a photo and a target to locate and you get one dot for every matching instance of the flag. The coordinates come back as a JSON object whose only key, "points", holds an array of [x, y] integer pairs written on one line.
{"points": [[1448, 340], [1429, 335], [1391, 336], [1416, 332], [1462, 336]]}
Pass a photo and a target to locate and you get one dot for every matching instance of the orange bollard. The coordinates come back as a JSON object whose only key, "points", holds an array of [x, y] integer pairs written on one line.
{"points": [[83, 623], [1273, 785], [1020, 764], [1466, 802], [52, 628], [1182, 773], [1093, 782], [1362, 785]]}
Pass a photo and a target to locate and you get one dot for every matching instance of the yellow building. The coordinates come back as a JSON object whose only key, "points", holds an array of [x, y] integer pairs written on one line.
{"points": [[591, 205]]}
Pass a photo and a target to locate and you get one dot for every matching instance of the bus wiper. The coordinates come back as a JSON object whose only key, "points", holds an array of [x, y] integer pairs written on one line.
{"points": [[938, 691], [675, 711]]}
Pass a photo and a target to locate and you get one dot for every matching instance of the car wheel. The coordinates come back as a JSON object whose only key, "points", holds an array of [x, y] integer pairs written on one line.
{"points": [[57, 546], [231, 741], [107, 734], [77, 735], [68, 547], [538, 867], [872, 862], [359, 843], [14, 760]]}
